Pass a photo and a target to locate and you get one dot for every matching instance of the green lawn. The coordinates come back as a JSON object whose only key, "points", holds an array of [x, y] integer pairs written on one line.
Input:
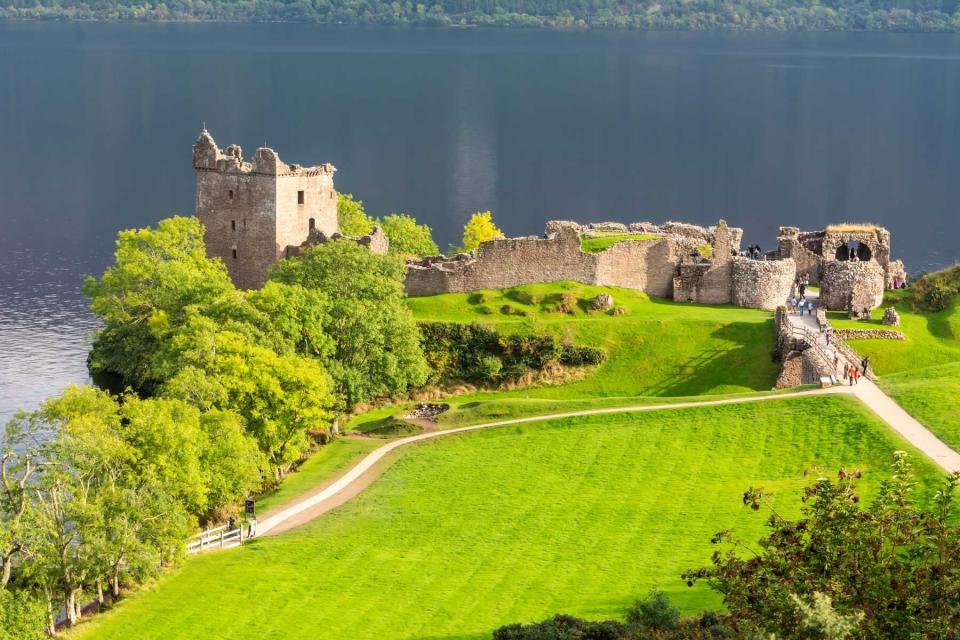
{"points": [[469, 532], [326, 463], [599, 242], [932, 338], [932, 396]]}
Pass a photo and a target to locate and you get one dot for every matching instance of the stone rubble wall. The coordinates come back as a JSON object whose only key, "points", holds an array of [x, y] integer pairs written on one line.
{"points": [[856, 286], [661, 267], [869, 334], [762, 284]]}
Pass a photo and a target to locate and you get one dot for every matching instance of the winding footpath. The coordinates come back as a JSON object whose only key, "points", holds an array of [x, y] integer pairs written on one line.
{"points": [[365, 471], [881, 404], [358, 477]]}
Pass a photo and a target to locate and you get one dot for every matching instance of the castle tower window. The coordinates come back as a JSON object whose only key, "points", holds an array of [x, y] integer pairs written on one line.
{"points": [[233, 225], [231, 194], [299, 197], [313, 224], [234, 254]]}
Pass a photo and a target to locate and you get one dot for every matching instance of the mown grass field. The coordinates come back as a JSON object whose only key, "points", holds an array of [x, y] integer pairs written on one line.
{"points": [[922, 373], [468, 532]]}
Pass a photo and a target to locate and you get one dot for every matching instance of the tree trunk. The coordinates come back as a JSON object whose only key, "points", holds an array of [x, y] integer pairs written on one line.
{"points": [[7, 566], [115, 585], [77, 606], [69, 602], [51, 620], [100, 599]]}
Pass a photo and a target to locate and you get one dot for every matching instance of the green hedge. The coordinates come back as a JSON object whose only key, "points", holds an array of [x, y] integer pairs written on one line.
{"points": [[478, 353]]}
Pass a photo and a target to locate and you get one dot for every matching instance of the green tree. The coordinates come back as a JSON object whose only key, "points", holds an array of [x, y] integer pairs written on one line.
{"points": [[894, 568], [167, 444], [157, 274], [479, 229], [92, 519], [351, 217], [407, 238], [377, 345], [18, 461], [281, 398]]}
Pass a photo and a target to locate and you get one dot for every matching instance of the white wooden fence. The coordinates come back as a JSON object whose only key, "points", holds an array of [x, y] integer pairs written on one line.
{"points": [[222, 537]]}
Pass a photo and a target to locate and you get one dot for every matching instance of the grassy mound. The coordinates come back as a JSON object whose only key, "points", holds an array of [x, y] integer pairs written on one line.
{"points": [[656, 348], [468, 532]]}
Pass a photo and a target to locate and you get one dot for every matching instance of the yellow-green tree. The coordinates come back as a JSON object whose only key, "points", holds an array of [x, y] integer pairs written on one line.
{"points": [[479, 228]]}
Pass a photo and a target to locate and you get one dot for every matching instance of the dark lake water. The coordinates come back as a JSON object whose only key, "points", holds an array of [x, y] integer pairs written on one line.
{"points": [[96, 123]]}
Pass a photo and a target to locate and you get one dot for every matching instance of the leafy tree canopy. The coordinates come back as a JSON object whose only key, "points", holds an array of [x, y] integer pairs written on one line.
{"points": [[479, 229], [157, 274], [407, 238], [891, 570], [351, 217], [377, 345]]}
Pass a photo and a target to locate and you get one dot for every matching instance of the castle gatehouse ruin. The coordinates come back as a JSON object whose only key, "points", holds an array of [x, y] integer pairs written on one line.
{"points": [[257, 212]]}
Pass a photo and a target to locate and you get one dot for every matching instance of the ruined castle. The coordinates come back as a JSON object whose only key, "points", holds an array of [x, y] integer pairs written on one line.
{"points": [[257, 212], [687, 263]]}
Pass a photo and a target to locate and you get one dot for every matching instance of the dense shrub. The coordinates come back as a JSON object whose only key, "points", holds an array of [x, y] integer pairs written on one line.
{"points": [[566, 304], [565, 627], [510, 310], [477, 353], [934, 291], [654, 613]]}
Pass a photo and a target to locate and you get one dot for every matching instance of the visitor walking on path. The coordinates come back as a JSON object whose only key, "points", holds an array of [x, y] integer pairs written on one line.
{"points": [[865, 363]]}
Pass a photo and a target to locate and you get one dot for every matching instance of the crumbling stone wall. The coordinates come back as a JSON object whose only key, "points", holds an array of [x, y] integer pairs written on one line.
{"points": [[762, 284], [376, 241], [509, 262], [805, 248], [856, 286], [252, 211]]}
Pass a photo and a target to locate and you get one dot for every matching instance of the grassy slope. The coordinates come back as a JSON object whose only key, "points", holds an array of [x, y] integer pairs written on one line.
{"points": [[472, 531], [658, 348], [922, 373]]}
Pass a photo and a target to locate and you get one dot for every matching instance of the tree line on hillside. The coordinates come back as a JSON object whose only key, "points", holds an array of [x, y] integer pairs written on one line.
{"points": [[695, 15], [223, 392]]}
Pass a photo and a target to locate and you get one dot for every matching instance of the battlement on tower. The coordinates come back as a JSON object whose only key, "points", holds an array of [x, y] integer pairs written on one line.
{"points": [[208, 157]]}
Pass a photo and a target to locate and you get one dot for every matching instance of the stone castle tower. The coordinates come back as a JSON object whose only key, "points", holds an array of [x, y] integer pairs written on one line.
{"points": [[255, 211]]}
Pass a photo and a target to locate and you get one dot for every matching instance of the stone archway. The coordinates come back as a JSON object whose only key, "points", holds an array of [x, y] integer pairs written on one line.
{"points": [[851, 248]]}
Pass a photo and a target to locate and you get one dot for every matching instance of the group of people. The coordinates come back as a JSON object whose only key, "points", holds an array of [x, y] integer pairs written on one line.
{"points": [[799, 302], [899, 283], [798, 305], [851, 373], [754, 251]]}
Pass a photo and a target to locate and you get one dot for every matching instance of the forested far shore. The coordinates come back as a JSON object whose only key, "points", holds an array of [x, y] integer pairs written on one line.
{"points": [[692, 15]]}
